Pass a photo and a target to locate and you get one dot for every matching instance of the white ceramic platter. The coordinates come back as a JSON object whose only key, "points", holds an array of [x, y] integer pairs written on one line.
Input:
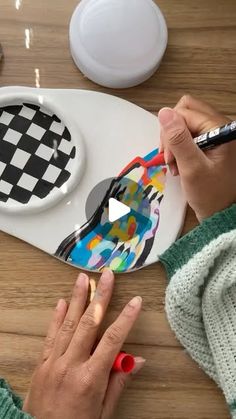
{"points": [[55, 147]]}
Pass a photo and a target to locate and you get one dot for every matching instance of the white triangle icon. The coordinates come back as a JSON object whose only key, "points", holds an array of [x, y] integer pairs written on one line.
{"points": [[117, 210]]}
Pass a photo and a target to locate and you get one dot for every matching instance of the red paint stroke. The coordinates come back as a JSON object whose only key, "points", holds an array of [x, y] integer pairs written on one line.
{"points": [[156, 161]]}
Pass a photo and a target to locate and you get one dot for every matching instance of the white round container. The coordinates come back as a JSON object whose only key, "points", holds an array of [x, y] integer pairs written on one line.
{"points": [[118, 43]]}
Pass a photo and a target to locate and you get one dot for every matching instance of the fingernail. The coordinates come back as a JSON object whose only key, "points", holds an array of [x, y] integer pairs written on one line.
{"points": [[167, 156], [173, 171], [60, 304], [135, 302], [82, 280], [107, 275], [173, 168], [139, 364], [166, 116]]}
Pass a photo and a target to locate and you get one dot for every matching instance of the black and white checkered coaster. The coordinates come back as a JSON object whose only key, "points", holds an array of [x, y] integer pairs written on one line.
{"points": [[36, 153]]}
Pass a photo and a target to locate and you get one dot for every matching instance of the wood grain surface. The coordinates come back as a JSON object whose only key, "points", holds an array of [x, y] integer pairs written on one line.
{"points": [[200, 60]]}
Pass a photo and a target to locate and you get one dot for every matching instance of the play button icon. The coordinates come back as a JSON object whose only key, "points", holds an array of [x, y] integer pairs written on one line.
{"points": [[116, 210]]}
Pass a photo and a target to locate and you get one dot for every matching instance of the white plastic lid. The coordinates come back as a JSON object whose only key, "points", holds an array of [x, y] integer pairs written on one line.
{"points": [[118, 43]]}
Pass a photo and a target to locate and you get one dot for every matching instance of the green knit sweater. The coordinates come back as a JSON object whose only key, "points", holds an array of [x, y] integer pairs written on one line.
{"points": [[200, 304], [10, 403], [201, 298]]}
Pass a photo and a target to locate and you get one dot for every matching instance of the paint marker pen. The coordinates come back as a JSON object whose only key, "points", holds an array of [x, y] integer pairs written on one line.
{"points": [[217, 136], [211, 139]]}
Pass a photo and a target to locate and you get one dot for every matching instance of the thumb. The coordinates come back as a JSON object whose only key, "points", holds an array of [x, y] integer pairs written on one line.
{"points": [[117, 383], [177, 139]]}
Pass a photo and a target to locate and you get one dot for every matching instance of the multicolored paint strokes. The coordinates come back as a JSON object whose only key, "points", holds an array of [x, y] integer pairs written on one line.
{"points": [[125, 244]]}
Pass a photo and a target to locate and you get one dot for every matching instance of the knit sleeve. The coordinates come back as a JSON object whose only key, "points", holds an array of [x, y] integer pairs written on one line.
{"points": [[10, 403], [211, 228], [201, 298]]}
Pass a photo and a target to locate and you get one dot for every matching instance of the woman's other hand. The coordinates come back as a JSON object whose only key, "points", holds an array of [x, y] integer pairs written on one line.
{"points": [[73, 380]]}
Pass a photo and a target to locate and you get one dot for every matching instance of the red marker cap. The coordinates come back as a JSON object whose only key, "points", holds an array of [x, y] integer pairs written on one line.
{"points": [[124, 363]]}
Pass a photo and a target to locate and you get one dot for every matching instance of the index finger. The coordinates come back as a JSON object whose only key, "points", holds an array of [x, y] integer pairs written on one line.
{"points": [[199, 123], [194, 104], [115, 336]]}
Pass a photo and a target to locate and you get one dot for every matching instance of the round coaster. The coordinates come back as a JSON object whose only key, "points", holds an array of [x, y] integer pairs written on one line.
{"points": [[118, 43], [37, 157]]}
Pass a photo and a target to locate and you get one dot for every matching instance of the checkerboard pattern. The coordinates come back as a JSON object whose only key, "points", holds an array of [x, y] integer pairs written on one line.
{"points": [[36, 153]]}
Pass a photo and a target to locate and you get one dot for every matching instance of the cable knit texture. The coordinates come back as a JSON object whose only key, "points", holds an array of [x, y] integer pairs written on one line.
{"points": [[10, 404], [201, 299], [179, 254]]}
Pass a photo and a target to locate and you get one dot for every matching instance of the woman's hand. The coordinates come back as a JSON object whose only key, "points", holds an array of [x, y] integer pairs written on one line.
{"points": [[208, 178], [69, 382]]}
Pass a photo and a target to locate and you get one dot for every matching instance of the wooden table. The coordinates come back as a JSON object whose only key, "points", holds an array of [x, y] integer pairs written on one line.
{"points": [[201, 60]]}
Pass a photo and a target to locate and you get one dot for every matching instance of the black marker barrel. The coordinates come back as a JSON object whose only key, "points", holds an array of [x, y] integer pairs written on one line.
{"points": [[217, 137]]}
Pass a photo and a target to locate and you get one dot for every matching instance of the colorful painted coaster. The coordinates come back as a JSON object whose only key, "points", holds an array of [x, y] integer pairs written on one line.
{"points": [[125, 243], [55, 147]]}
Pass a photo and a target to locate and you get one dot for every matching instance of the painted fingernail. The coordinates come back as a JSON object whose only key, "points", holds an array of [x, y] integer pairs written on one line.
{"points": [[166, 116], [135, 302], [139, 364]]}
